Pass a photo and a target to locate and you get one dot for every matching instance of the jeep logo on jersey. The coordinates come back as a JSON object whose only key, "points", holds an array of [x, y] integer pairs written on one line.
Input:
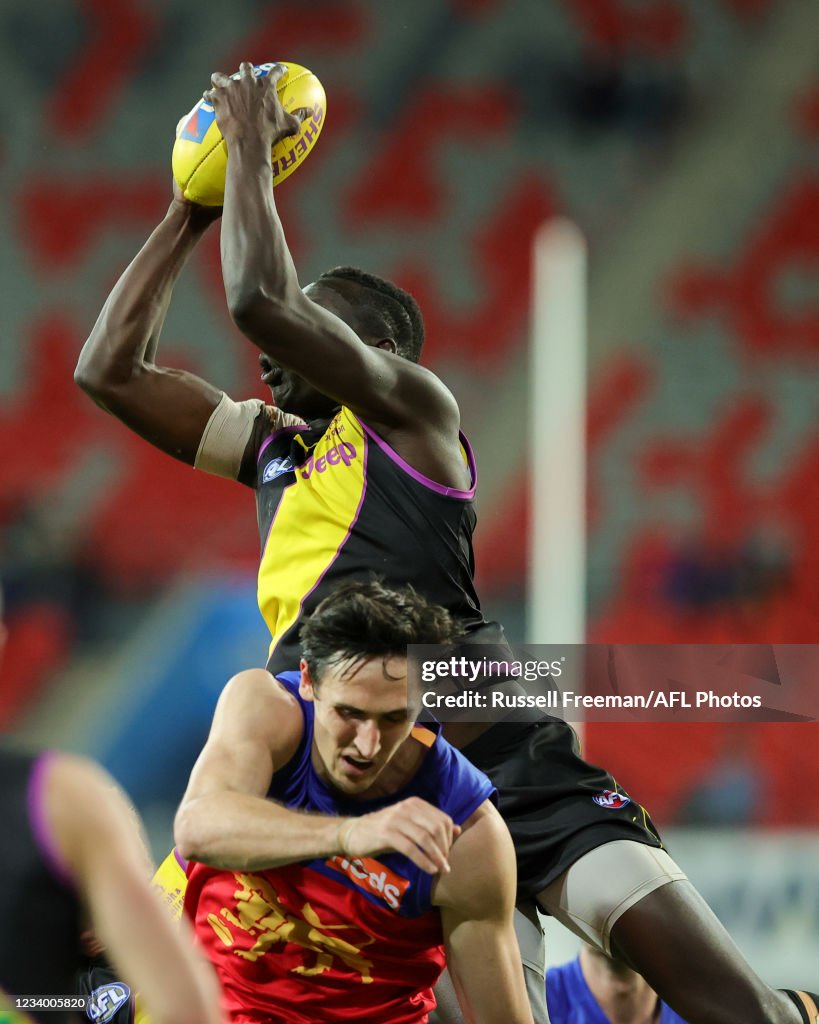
{"points": [[276, 468], [343, 452], [611, 800], [372, 877], [104, 1001]]}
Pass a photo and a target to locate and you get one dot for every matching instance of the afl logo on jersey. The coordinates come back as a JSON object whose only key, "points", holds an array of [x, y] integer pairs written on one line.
{"points": [[104, 1001], [611, 800], [276, 468]]}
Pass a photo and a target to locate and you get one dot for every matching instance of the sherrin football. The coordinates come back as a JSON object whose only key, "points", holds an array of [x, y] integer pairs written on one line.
{"points": [[199, 157]]}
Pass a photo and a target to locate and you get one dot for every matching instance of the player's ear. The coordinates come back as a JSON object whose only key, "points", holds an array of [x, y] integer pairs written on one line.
{"points": [[305, 682], [388, 344]]}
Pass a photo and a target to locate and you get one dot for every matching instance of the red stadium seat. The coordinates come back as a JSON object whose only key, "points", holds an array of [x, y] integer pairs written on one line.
{"points": [[38, 642]]}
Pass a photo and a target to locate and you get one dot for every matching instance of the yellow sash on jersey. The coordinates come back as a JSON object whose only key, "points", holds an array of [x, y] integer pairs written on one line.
{"points": [[170, 881], [312, 522]]}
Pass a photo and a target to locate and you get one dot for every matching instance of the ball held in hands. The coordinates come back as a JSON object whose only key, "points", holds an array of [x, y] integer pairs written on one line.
{"points": [[199, 159]]}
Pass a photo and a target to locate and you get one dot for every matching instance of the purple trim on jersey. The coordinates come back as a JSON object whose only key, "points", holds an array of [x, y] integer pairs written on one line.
{"points": [[180, 860], [447, 492], [272, 437], [344, 540], [40, 828]]}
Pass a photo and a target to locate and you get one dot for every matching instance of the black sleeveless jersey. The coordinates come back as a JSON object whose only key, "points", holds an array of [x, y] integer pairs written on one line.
{"points": [[335, 502], [39, 909]]}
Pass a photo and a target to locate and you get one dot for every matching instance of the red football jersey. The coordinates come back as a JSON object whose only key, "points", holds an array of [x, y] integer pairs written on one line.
{"points": [[294, 945]]}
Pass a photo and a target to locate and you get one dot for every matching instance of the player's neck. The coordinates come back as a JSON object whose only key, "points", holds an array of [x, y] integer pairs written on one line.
{"points": [[399, 771]]}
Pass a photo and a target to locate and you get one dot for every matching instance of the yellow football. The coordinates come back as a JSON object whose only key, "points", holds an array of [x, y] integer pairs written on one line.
{"points": [[199, 157]]}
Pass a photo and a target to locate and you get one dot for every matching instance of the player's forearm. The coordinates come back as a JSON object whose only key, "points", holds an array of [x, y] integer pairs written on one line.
{"points": [[154, 954], [127, 330], [240, 832], [495, 992], [260, 277]]}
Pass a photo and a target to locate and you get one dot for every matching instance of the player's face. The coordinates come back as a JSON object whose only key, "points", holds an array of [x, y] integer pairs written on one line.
{"points": [[361, 719], [292, 393]]}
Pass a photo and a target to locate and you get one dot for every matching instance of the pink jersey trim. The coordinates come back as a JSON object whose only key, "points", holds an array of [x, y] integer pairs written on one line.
{"points": [[447, 492], [40, 828], [272, 437]]}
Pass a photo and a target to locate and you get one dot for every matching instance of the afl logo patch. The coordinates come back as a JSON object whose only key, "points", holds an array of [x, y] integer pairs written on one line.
{"points": [[276, 468], [611, 800], [104, 1002]]}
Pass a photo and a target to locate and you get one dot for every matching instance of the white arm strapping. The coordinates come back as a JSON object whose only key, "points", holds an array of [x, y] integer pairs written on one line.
{"points": [[228, 430]]}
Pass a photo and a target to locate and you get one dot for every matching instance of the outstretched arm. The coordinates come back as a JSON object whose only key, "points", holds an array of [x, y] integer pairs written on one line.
{"points": [[263, 291], [225, 819], [477, 901], [98, 837], [168, 407]]}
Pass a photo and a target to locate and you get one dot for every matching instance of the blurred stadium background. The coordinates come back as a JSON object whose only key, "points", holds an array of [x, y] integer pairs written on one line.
{"points": [[682, 136]]}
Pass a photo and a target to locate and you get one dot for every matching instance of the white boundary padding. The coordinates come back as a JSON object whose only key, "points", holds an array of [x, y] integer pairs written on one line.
{"points": [[557, 440]]}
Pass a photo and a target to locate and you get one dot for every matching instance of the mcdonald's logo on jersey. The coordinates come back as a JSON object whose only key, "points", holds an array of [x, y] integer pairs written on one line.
{"points": [[372, 877]]}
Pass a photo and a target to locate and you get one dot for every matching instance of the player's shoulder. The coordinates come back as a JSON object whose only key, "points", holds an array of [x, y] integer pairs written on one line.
{"points": [[419, 401], [255, 706], [437, 394], [482, 862], [464, 788], [75, 779], [254, 689], [82, 802], [268, 421], [485, 825], [279, 420]]}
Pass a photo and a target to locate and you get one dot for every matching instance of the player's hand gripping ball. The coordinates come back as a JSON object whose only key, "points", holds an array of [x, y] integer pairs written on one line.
{"points": [[199, 158]]}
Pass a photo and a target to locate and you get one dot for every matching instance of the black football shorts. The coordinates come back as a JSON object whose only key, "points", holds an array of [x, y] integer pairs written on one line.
{"points": [[556, 805]]}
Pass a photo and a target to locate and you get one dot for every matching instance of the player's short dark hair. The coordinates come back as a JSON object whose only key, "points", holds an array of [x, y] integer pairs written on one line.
{"points": [[361, 620], [384, 309]]}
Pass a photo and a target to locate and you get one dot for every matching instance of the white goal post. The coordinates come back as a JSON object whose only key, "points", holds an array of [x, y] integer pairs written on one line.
{"points": [[557, 442]]}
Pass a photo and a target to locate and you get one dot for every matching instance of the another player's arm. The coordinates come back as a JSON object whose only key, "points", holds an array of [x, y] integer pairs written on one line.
{"points": [[225, 819], [477, 902], [262, 286], [117, 368], [99, 841]]}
